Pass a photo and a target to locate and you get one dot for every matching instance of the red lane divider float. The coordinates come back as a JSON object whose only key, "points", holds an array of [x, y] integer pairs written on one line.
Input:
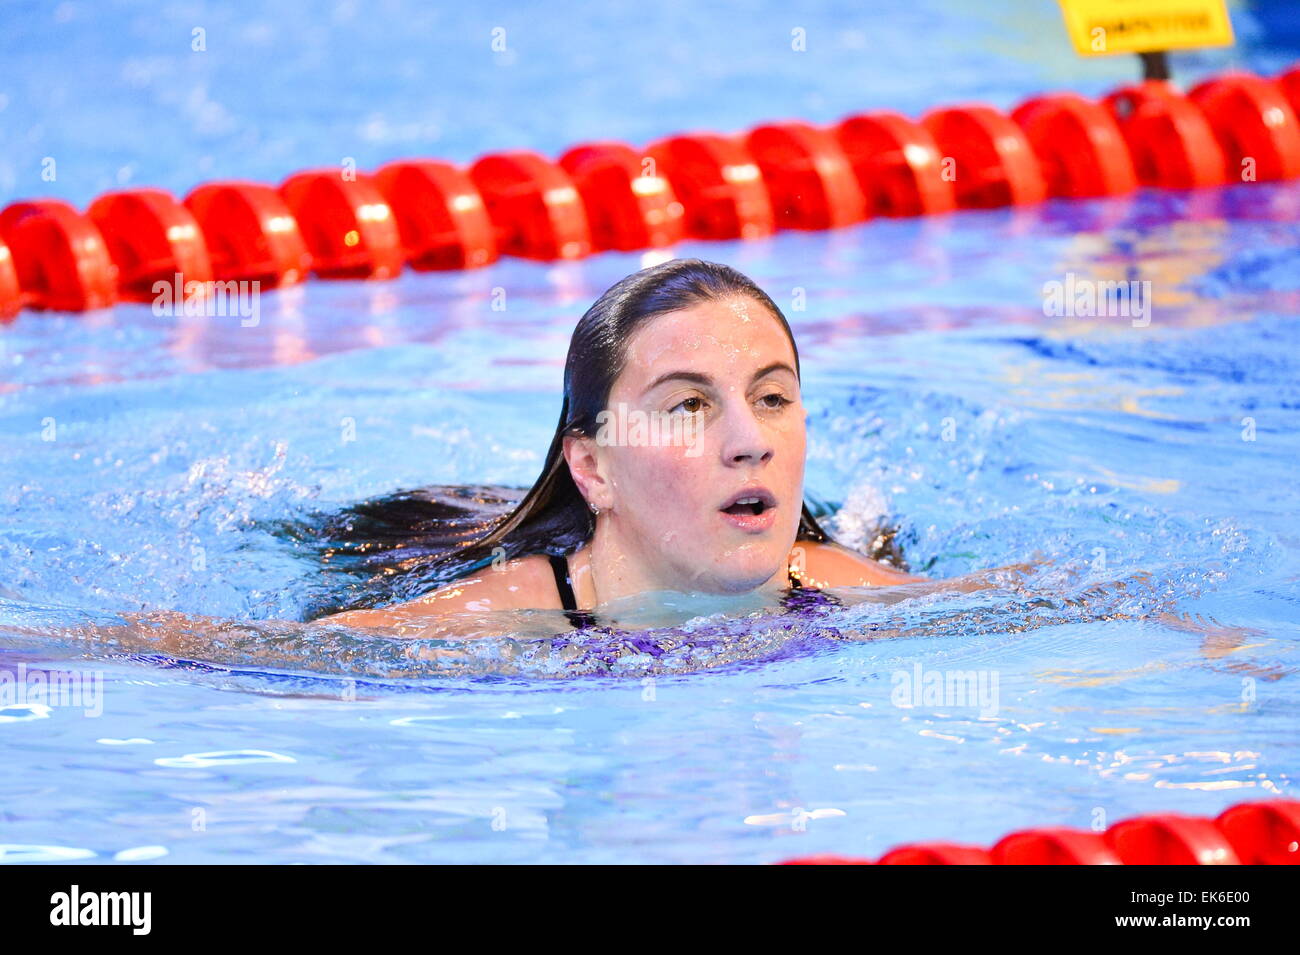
{"points": [[1170, 840], [251, 233], [533, 204], [59, 257], [1252, 833], [431, 214], [897, 163], [936, 853], [440, 215], [992, 162], [11, 294], [150, 237], [718, 183], [1254, 124], [347, 224], [1168, 136], [1078, 145], [809, 180], [1055, 846], [628, 205], [1263, 833], [1289, 84]]}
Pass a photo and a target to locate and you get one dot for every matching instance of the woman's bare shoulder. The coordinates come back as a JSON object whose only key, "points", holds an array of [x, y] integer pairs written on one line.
{"points": [[833, 565], [525, 583]]}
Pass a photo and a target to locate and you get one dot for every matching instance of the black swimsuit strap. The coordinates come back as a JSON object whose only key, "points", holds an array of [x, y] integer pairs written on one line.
{"points": [[563, 583], [560, 567]]}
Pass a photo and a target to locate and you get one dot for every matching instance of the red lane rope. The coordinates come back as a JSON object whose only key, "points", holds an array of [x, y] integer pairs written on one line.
{"points": [[430, 214], [1250, 833]]}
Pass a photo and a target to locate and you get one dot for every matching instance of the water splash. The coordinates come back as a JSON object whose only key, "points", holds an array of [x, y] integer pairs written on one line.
{"points": [[526, 644]]}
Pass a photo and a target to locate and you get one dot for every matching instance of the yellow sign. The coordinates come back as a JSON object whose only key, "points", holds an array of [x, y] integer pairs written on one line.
{"points": [[1105, 27]]}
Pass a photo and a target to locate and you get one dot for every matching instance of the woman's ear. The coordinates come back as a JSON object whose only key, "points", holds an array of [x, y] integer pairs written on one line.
{"points": [[588, 473]]}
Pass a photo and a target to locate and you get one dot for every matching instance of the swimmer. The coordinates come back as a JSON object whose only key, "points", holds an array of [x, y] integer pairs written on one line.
{"points": [[676, 468], [677, 464]]}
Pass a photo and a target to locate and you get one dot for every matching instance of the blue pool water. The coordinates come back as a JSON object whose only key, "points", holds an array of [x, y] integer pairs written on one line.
{"points": [[1148, 664]]}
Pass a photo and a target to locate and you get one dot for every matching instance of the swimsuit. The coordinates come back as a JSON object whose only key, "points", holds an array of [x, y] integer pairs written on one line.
{"points": [[800, 596], [579, 618]]}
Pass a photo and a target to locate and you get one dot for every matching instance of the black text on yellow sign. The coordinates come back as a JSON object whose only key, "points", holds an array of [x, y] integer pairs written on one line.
{"points": [[1107, 27]]}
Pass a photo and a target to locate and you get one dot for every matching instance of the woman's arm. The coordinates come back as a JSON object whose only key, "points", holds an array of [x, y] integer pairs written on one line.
{"points": [[319, 646], [833, 565], [520, 584]]}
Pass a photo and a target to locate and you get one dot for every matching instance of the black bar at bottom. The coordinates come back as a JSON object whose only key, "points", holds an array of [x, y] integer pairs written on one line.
{"points": [[332, 904]]}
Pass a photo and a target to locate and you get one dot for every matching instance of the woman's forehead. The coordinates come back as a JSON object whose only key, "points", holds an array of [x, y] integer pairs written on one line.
{"points": [[728, 335]]}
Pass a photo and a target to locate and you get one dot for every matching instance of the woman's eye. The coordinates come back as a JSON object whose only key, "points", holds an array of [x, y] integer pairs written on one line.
{"points": [[691, 405], [774, 400]]}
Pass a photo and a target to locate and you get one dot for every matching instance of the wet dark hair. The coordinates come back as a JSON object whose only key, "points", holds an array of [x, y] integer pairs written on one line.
{"points": [[433, 537]]}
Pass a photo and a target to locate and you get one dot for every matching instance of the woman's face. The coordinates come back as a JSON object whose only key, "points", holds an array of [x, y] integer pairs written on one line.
{"points": [[702, 460]]}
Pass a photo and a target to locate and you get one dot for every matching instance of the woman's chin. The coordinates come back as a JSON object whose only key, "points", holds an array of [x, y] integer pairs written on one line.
{"points": [[742, 578]]}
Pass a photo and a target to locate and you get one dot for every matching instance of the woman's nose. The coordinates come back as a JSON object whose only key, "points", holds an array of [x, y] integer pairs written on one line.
{"points": [[747, 441]]}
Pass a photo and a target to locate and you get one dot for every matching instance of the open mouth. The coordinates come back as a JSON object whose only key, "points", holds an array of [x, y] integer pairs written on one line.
{"points": [[751, 502]]}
